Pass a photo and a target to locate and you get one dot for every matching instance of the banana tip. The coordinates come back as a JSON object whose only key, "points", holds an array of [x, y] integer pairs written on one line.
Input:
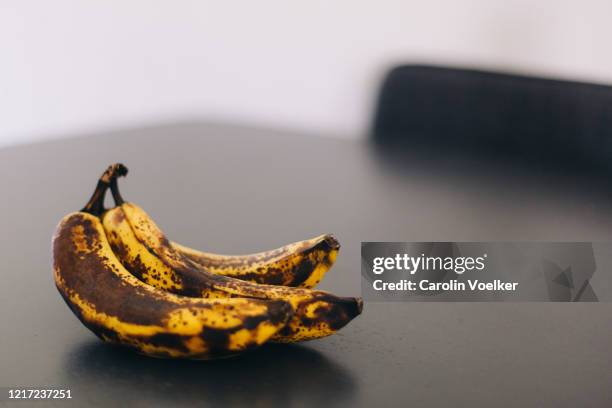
{"points": [[331, 242], [359, 304], [353, 306]]}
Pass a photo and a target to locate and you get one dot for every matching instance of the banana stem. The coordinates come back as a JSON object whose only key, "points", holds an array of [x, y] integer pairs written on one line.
{"points": [[95, 205], [115, 191]]}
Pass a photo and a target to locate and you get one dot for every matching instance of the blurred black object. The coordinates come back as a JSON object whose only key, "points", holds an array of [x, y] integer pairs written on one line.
{"points": [[491, 114]]}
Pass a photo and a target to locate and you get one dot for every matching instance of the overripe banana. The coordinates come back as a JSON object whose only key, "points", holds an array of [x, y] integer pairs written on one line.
{"points": [[300, 264], [146, 252], [121, 309]]}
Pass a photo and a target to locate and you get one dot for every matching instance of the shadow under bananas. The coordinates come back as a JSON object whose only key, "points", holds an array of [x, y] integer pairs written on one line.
{"points": [[274, 375]]}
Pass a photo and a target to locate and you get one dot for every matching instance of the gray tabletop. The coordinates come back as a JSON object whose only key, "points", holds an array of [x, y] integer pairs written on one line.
{"points": [[236, 190]]}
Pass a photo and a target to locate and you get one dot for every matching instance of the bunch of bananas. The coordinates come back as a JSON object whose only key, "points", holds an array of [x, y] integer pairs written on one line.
{"points": [[131, 286]]}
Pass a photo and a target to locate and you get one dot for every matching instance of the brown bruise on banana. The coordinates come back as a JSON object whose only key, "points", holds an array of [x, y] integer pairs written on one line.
{"points": [[300, 264], [120, 309], [317, 313]]}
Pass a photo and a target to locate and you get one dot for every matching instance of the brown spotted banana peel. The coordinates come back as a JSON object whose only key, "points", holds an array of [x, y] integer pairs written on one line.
{"points": [[147, 253], [299, 264], [120, 309]]}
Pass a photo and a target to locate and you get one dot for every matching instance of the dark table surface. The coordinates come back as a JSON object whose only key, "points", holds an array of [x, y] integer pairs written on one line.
{"points": [[234, 189]]}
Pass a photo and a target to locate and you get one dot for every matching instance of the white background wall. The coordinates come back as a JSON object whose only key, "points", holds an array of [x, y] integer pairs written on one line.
{"points": [[72, 66]]}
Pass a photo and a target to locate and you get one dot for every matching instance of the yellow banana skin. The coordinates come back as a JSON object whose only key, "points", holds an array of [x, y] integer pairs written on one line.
{"points": [[120, 309], [317, 313], [300, 264]]}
